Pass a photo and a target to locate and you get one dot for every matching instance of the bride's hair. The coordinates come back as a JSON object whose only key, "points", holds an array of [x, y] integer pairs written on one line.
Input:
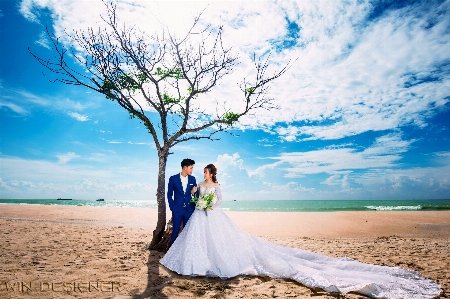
{"points": [[212, 170]]}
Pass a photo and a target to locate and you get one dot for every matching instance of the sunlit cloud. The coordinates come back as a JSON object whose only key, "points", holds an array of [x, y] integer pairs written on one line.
{"points": [[14, 107], [65, 158], [43, 40], [26, 8], [24, 98], [344, 179], [83, 189], [354, 73], [33, 99], [27, 178], [384, 153], [78, 116]]}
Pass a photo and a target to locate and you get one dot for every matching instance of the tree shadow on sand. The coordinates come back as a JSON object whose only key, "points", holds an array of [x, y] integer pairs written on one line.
{"points": [[156, 280], [160, 278]]}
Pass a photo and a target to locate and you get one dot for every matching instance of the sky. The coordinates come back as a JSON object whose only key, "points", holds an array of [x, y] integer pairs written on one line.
{"points": [[364, 111]]}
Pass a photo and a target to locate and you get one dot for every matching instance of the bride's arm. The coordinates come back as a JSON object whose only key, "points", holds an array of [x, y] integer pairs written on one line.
{"points": [[218, 196]]}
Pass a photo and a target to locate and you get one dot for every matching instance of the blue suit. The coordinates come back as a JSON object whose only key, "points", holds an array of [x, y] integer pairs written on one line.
{"points": [[179, 202]]}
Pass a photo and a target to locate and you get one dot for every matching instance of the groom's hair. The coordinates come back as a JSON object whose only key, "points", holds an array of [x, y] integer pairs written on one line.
{"points": [[187, 162]]}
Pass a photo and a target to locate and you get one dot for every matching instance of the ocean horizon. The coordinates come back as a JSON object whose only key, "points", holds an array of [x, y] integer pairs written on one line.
{"points": [[265, 205]]}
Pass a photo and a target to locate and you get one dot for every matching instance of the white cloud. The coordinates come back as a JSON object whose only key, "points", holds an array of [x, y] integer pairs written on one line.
{"points": [[344, 181], [272, 191], [78, 116], [260, 171], [227, 161], [385, 152], [64, 158], [83, 189], [67, 104], [374, 172], [14, 168], [97, 157], [16, 100], [369, 88], [26, 178], [290, 187], [289, 133], [14, 107], [437, 174], [237, 182], [26, 8], [43, 40], [231, 174], [352, 73], [34, 99], [333, 180], [141, 143]]}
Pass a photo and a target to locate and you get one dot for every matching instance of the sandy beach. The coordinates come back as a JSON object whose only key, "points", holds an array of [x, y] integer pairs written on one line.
{"points": [[96, 252]]}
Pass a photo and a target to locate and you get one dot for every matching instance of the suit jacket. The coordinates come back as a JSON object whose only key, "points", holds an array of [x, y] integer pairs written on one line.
{"points": [[179, 200]]}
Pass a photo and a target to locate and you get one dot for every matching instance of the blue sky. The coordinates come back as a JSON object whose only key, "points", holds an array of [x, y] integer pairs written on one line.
{"points": [[363, 113]]}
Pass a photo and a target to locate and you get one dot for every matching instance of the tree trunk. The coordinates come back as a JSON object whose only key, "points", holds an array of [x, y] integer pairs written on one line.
{"points": [[161, 238]]}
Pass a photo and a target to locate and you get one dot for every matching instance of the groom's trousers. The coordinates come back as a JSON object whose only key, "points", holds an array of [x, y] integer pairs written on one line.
{"points": [[179, 217]]}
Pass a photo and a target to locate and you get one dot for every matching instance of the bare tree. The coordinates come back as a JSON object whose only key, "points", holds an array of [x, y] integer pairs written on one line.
{"points": [[163, 74]]}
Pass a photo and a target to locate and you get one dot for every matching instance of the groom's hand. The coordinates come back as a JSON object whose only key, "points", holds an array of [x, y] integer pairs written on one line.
{"points": [[194, 189]]}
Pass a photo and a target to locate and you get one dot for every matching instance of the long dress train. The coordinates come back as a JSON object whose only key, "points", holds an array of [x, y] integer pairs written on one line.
{"points": [[212, 245]]}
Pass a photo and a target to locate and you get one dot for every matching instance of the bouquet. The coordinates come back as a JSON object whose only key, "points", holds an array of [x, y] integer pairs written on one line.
{"points": [[205, 202]]}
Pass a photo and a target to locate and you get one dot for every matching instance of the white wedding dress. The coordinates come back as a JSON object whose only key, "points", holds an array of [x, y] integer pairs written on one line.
{"points": [[212, 245]]}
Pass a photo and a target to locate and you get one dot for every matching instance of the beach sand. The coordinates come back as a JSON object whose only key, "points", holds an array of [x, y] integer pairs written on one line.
{"points": [[96, 252]]}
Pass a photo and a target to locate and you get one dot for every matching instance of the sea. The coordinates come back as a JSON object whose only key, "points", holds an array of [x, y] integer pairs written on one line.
{"points": [[265, 205]]}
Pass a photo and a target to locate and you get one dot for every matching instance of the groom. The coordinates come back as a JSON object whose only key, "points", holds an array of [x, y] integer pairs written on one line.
{"points": [[180, 190]]}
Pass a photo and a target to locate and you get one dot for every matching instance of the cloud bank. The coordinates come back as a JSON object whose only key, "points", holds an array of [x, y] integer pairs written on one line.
{"points": [[361, 66]]}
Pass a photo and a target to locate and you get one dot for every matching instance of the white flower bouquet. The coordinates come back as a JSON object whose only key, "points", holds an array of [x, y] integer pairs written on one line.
{"points": [[205, 202]]}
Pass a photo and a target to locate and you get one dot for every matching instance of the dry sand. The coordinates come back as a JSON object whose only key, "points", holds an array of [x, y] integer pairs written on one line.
{"points": [[95, 252]]}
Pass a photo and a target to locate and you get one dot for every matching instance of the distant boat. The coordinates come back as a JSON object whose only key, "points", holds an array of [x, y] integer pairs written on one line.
{"points": [[100, 199], [63, 198]]}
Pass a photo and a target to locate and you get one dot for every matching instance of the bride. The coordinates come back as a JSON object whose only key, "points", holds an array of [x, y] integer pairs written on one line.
{"points": [[212, 245]]}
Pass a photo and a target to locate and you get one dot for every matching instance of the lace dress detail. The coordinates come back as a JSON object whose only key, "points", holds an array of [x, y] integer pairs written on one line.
{"points": [[212, 245]]}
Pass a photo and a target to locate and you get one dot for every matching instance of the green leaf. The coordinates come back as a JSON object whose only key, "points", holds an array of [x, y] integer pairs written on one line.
{"points": [[159, 72], [167, 100], [230, 118], [126, 81], [249, 90], [133, 114], [173, 73], [107, 88], [142, 78]]}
